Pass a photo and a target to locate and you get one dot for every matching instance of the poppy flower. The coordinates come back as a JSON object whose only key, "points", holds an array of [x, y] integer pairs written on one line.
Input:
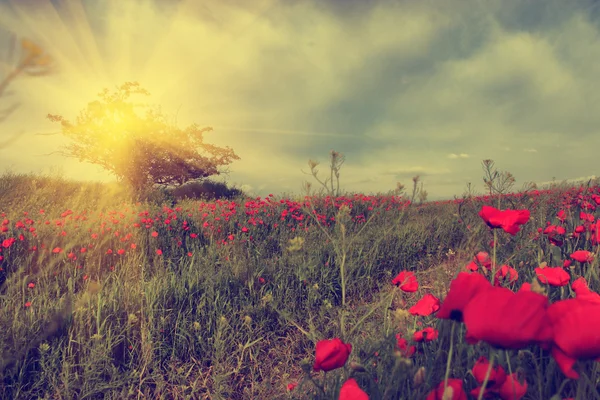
{"points": [[554, 276], [583, 292], [497, 315], [525, 287], [497, 375], [472, 266], [582, 256], [506, 319], [331, 354], [512, 388], [454, 388], [506, 273], [462, 290], [426, 335], [406, 281], [351, 391], [406, 350], [483, 258], [576, 323], [426, 306], [509, 220]]}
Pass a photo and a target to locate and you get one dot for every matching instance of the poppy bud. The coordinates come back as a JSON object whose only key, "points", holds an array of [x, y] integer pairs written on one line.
{"points": [[419, 377]]}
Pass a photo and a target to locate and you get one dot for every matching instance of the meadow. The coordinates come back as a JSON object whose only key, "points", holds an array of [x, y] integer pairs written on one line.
{"points": [[321, 297]]}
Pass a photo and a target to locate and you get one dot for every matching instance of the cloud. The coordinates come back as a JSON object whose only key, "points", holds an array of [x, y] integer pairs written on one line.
{"points": [[415, 170], [284, 82], [455, 156]]}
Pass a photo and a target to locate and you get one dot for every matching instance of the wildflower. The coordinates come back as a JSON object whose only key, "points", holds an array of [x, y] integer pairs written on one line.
{"points": [[28, 304], [483, 258], [497, 315], [351, 391], [504, 272], [406, 281], [291, 386], [462, 290], [576, 323], [582, 256], [426, 306], [509, 220], [512, 388], [583, 292], [331, 354], [426, 335], [405, 350], [497, 375], [554, 276], [31, 285], [419, 377]]}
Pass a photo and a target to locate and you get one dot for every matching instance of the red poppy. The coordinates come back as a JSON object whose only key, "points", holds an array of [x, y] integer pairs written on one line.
{"points": [[525, 287], [497, 375], [576, 324], [583, 292], [582, 256], [509, 220], [426, 306], [506, 273], [426, 335], [512, 388], [554, 276], [406, 350], [331, 354], [463, 289], [406, 281], [351, 391], [497, 315], [506, 319], [454, 387], [472, 266], [483, 258]]}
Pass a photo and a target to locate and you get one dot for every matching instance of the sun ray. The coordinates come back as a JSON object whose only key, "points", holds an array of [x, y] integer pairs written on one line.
{"points": [[84, 31]]}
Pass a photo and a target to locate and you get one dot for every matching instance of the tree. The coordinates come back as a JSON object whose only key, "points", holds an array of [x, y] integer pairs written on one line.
{"points": [[140, 151], [33, 62]]}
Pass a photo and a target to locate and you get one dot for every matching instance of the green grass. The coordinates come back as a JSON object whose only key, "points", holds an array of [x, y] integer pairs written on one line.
{"points": [[207, 320]]}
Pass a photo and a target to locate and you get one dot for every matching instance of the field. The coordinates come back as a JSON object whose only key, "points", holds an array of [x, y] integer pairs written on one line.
{"points": [[233, 299]]}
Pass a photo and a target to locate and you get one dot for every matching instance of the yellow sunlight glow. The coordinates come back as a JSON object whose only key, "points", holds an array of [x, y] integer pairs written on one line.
{"points": [[138, 42]]}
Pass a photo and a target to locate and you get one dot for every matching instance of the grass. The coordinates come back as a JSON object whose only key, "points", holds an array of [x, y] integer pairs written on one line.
{"points": [[107, 299]]}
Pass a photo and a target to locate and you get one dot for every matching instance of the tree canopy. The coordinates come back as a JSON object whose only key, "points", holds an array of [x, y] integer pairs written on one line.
{"points": [[140, 150]]}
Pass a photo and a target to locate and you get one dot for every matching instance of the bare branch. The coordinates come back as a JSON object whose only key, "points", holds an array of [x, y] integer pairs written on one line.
{"points": [[34, 63]]}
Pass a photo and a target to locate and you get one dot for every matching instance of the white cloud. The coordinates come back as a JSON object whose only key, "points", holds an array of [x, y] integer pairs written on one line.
{"points": [[455, 156]]}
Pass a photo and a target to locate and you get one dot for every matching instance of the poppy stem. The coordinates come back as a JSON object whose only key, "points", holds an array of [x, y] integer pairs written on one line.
{"points": [[487, 375], [449, 357], [514, 387], [321, 389], [494, 258]]}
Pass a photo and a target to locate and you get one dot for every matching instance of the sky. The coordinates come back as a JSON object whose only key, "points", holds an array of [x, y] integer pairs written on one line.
{"points": [[401, 88]]}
